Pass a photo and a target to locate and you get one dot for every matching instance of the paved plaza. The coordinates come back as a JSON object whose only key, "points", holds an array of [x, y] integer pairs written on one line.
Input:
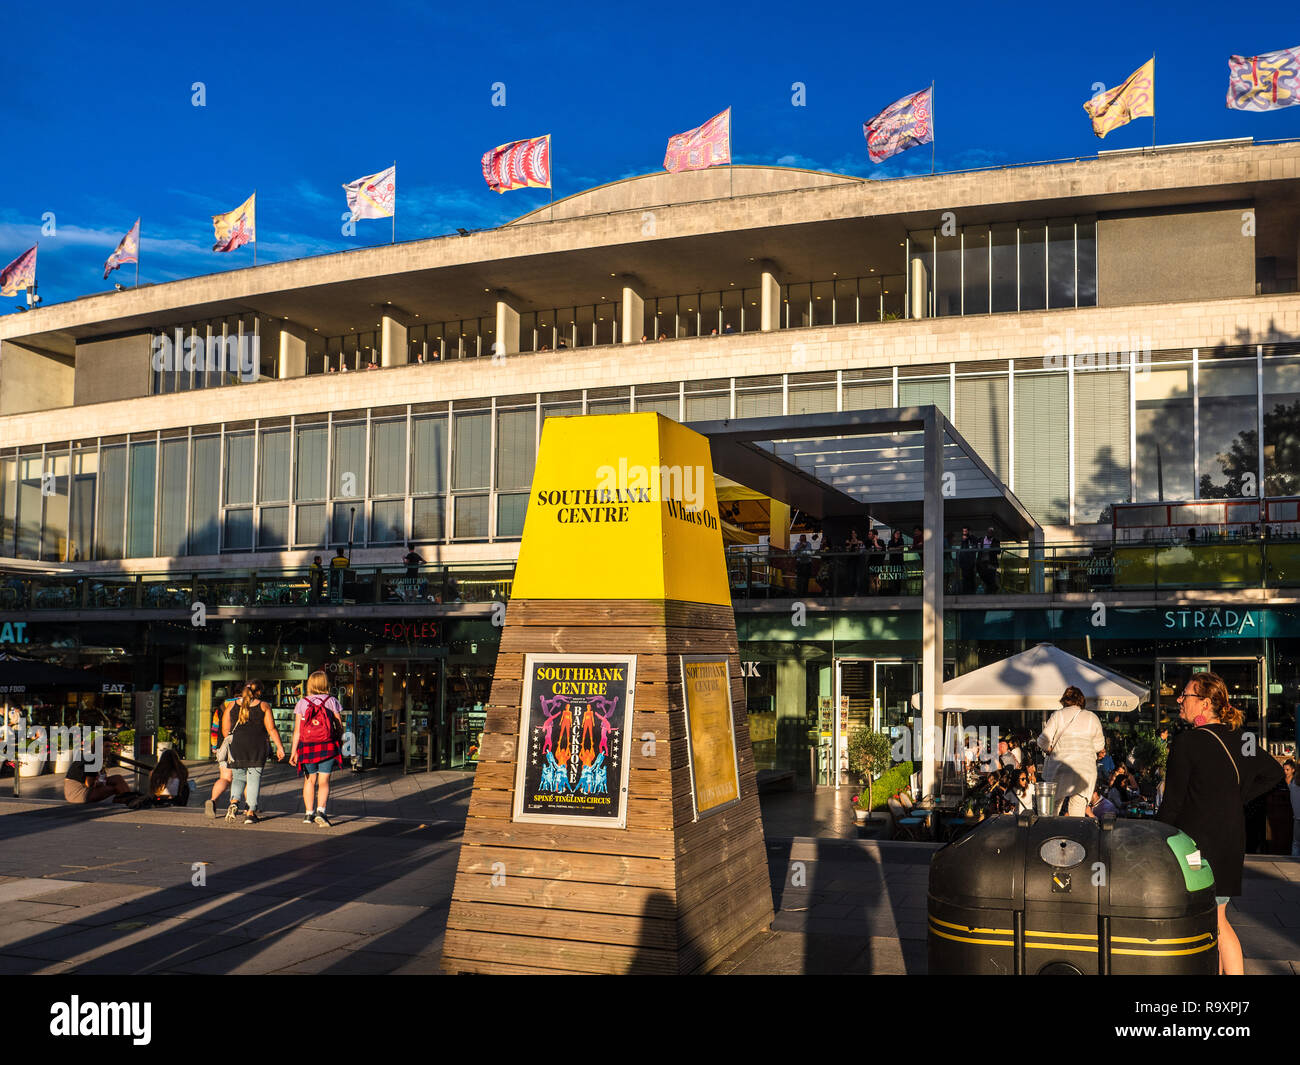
{"points": [[109, 890]]}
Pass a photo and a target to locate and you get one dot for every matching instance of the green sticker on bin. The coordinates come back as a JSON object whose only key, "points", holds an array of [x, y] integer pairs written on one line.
{"points": [[1196, 878]]}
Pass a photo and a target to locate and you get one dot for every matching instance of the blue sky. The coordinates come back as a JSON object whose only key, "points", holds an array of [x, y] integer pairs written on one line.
{"points": [[100, 127]]}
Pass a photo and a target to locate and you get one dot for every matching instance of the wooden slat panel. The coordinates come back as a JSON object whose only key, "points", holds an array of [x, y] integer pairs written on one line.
{"points": [[554, 865], [566, 925], [565, 896], [649, 813], [461, 949], [643, 843]]}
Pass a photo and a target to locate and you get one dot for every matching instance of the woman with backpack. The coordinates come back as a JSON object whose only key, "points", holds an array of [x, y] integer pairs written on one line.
{"points": [[316, 748], [250, 725]]}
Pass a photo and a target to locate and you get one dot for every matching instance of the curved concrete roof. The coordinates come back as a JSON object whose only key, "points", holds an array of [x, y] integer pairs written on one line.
{"points": [[662, 189]]}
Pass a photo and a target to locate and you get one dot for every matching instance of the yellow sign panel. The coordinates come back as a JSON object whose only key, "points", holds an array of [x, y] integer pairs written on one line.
{"points": [[710, 728], [622, 507]]}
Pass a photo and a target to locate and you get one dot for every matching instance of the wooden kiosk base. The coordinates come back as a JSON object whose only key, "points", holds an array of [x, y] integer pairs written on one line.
{"points": [[667, 894]]}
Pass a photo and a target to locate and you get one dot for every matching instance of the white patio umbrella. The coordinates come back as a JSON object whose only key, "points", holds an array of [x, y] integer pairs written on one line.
{"points": [[1035, 680]]}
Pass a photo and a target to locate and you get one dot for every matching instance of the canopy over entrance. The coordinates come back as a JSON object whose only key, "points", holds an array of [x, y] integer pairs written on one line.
{"points": [[1035, 680]]}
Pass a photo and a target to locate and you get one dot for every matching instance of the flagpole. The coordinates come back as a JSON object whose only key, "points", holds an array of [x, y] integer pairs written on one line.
{"points": [[255, 227], [137, 260], [932, 129], [394, 241], [1153, 101]]}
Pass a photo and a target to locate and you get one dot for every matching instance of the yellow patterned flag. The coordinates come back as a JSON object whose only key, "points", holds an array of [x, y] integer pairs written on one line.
{"points": [[1136, 98], [236, 228]]}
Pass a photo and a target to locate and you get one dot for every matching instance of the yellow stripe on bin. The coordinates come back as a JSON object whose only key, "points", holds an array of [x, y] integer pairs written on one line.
{"points": [[1165, 953], [968, 928], [1063, 935], [1188, 939], [967, 939], [1059, 946]]}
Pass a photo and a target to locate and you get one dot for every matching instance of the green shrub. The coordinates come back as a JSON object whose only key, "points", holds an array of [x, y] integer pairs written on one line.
{"points": [[891, 782]]}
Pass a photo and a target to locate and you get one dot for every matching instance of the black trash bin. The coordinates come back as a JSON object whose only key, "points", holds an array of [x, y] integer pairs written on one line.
{"points": [[1071, 895]]}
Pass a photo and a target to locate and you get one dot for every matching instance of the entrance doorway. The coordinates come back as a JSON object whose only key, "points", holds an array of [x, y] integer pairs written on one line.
{"points": [[871, 693], [1246, 678]]}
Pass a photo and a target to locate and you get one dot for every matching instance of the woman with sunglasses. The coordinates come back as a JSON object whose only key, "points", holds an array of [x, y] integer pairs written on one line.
{"points": [[1209, 779]]}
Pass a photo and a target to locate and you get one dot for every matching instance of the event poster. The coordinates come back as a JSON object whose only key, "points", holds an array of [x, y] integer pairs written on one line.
{"points": [[574, 720], [710, 728]]}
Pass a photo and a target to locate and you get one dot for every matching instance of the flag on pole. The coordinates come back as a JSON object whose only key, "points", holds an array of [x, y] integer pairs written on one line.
{"points": [[1136, 98], [702, 147], [128, 250], [19, 274], [1264, 82], [374, 196], [236, 228], [519, 165], [903, 124]]}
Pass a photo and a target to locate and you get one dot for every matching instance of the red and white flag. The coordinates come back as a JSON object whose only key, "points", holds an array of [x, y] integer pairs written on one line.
{"points": [[128, 250], [19, 274], [519, 165], [702, 147]]}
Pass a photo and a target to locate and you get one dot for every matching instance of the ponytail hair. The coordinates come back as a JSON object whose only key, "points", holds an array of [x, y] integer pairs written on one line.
{"points": [[1211, 686], [247, 698]]}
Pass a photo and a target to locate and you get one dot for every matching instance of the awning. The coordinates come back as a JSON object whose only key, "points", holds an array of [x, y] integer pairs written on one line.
{"points": [[1035, 680]]}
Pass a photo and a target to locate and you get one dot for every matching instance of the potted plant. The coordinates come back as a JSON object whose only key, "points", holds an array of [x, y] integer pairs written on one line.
{"points": [[163, 741], [861, 811], [125, 746], [869, 756]]}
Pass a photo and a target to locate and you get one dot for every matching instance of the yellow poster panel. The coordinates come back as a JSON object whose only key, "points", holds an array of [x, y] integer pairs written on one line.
{"points": [[710, 729]]}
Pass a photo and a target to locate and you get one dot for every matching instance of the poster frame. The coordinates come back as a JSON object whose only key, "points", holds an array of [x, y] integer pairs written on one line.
{"points": [[521, 750], [684, 660]]}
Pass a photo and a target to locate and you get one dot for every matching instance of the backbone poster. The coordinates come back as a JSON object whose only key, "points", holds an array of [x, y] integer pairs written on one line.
{"points": [[574, 721]]}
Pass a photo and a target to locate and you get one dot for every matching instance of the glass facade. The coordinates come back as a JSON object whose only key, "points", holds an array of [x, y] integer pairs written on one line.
{"points": [[1068, 441]]}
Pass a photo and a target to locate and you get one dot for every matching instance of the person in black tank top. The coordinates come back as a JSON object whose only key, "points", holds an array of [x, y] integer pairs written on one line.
{"points": [[252, 730]]}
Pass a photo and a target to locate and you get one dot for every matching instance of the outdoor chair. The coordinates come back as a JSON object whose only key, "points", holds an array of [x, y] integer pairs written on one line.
{"points": [[905, 824]]}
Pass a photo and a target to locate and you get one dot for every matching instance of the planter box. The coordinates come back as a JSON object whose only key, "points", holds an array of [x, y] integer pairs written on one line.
{"points": [[30, 765]]}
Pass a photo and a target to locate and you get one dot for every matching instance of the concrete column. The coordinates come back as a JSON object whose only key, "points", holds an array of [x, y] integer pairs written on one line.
{"points": [[931, 600], [395, 350], [920, 289], [507, 329], [770, 305], [293, 351], [1037, 562], [633, 312]]}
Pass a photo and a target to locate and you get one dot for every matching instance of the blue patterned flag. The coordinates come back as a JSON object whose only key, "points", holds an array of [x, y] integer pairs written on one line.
{"points": [[1264, 82], [902, 125]]}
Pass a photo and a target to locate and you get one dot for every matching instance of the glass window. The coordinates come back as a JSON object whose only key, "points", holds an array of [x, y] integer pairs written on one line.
{"points": [[983, 417], [1042, 473], [1086, 257], [388, 521], [893, 298], [731, 310], [349, 481], [388, 458], [311, 525], [429, 458], [273, 527], [516, 449], [1033, 266], [1229, 430], [975, 270], [349, 522], [1002, 238], [140, 521], [758, 402], [239, 469], [867, 395], [273, 458], [947, 268], [812, 399], [1281, 427], [1060, 263], [427, 519], [55, 535], [823, 302], [1101, 451], [8, 504], [30, 502], [663, 399], [1164, 434], [109, 539], [312, 448], [82, 526], [171, 530], [510, 514], [708, 406], [205, 474], [471, 517], [924, 392], [583, 327], [798, 312], [472, 455], [239, 530]]}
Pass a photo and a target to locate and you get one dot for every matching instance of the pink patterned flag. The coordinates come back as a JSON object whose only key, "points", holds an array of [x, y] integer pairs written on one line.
{"points": [[519, 165], [903, 124], [128, 250], [1264, 82], [702, 147], [19, 274]]}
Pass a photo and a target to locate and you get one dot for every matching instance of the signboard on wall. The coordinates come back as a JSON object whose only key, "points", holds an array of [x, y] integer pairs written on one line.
{"points": [[573, 726], [711, 733]]}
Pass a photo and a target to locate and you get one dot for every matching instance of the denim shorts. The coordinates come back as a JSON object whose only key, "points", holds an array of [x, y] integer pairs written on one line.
{"points": [[1222, 900], [327, 766]]}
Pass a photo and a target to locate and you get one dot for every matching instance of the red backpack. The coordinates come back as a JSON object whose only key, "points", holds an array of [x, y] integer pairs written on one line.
{"points": [[316, 727]]}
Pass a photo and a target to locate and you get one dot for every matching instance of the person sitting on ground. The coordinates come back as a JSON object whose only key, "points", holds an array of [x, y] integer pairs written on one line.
{"points": [[169, 783], [79, 786]]}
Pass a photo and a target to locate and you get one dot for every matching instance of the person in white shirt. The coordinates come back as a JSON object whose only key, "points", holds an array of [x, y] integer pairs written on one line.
{"points": [[1073, 741]]}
